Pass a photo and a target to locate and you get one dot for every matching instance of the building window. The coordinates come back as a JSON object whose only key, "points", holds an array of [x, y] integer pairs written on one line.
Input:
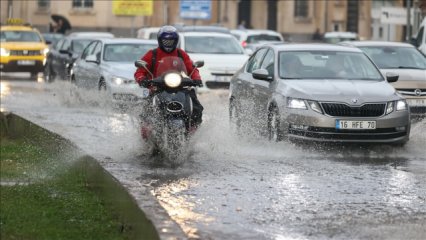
{"points": [[82, 3], [301, 8], [43, 4]]}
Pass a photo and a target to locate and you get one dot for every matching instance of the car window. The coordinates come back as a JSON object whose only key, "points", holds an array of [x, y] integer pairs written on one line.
{"points": [[125, 52], [262, 37], [66, 45], [255, 59], [153, 35], [87, 51], [420, 37], [327, 65], [97, 51], [19, 36], [268, 62], [396, 57], [58, 45], [212, 45], [78, 45]]}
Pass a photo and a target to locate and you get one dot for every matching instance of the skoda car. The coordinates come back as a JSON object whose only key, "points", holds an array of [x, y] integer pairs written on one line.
{"points": [[108, 65], [23, 49], [406, 61], [318, 92]]}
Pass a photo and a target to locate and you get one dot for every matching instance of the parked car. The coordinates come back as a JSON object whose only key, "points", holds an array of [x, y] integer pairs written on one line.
{"points": [[197, 28], [61, 57], [148, 33], [254, 36], [336, 37], [406, 61], [23, 49], [108, 65], [317, 92], [222, 55]]}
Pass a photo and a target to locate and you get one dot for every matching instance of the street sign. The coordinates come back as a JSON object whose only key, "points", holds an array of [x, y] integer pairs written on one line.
{"points": [[395, 15], [132, 8], [195, 9]]}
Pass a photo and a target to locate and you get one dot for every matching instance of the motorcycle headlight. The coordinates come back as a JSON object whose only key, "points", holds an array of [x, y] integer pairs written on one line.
{"points": [[296, 103], [4, 52], [401, 105], [117, 80], [173, 80], [315, 106]]}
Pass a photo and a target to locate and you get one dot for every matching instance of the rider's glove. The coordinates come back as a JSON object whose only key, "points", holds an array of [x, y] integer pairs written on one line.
{"points": [[144, 83]]}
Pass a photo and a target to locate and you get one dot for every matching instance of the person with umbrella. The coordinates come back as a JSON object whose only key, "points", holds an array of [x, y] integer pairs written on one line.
{"points": [[61, 24]]}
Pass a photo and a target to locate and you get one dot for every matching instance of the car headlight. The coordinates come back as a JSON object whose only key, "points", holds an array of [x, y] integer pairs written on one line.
{"points": [[401, 105], [4, 52], [296, 103], [172, 80], [117, 80], [389, 108], [315, 106], [44, 51]]}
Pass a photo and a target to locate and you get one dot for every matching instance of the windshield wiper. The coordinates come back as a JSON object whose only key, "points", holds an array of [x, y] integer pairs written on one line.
{"points": [[408, 67]]}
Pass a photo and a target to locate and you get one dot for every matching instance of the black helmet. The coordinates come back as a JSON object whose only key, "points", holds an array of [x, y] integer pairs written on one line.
{"points": [[168, 38]]}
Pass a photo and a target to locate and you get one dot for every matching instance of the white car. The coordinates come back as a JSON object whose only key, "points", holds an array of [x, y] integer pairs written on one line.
{"points": [[108, 64], [221, 53], [148, 33], [254, 36]]}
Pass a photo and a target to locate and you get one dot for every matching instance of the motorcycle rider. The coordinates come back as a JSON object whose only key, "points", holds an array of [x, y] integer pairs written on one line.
{"points": [[168, 39]]}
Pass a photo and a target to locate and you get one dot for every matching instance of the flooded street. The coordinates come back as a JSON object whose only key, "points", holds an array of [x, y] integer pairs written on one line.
{"points": [[243, 187]]}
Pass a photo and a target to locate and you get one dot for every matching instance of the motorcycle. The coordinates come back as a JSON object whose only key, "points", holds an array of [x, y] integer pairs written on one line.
{"points": [[169, 108]]}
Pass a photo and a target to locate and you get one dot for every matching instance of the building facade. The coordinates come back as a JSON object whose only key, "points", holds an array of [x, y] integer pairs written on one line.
{"points": [[296, 20]]}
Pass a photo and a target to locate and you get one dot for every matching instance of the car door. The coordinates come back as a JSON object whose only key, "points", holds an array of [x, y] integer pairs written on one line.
{"points": [[81, 69], [93, 69], [262, 89], [244, 82], [63, 58], [54, 56]]}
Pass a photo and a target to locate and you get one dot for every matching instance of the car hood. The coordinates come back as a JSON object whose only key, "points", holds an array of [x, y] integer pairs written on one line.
{"points": [[339, 90], [124, 70], [408, 78], [23, 45], [228, 63]]}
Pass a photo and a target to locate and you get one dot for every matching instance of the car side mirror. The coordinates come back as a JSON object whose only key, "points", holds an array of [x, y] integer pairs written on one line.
{"points": [[140, 64], [198, 64], [64, 51], [92, 58], [48, 42], [261, 74], [392, 77]]}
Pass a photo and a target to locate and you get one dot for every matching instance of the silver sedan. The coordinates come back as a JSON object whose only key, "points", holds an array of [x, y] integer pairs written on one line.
{"points": [[317, 92], [108, 64]]}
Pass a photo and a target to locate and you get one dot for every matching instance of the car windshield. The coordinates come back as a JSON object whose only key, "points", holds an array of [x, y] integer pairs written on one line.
{"points": [[212, 45], [326, 65], [78, 45], [126, 52], [262, 37], [19, 36], [396, 57]]}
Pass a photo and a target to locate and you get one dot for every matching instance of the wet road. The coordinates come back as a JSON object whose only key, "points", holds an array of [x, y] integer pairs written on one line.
{"points": [[244, 187]]}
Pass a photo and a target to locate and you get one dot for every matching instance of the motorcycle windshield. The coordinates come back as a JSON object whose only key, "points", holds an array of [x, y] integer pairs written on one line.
{"points": [[171, 64]]}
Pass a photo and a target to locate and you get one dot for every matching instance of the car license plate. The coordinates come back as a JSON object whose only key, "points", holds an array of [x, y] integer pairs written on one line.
{"points": [[416, 102], [222, 79], [26, 62], [348, 124]]}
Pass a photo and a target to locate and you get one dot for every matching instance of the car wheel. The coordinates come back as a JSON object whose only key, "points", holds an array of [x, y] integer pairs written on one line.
{"points": [[234, 120], [274, 132], [102, 85]]}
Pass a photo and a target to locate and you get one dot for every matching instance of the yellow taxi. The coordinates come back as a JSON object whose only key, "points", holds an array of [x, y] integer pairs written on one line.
{"points": [[22, 49]]}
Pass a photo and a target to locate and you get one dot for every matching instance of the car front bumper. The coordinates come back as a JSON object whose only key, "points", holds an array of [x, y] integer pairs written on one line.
{"points": [[310, 125]]}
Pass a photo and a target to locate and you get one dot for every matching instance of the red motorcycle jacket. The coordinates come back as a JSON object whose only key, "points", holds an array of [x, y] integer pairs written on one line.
{"points": [[141, 74]]}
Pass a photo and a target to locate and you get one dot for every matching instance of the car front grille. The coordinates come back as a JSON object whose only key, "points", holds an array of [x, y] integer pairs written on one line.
{"points": [[412, 91], [343, 110], [417, 110], [25, 52]]}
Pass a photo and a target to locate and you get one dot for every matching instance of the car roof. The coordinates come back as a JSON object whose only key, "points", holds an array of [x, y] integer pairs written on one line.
{"points": [[312, 47], [127, 40], [206, 34], [340, 34], [96, 34], [203, 29], [375, 44], [255, 31]]}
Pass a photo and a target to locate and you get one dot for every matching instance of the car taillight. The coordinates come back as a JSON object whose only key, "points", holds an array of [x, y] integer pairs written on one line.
{"points": [[244, 43]]}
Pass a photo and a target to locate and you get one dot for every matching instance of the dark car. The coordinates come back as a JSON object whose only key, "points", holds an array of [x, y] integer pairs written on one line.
{"points": [[62, 55], [318, 92]]}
